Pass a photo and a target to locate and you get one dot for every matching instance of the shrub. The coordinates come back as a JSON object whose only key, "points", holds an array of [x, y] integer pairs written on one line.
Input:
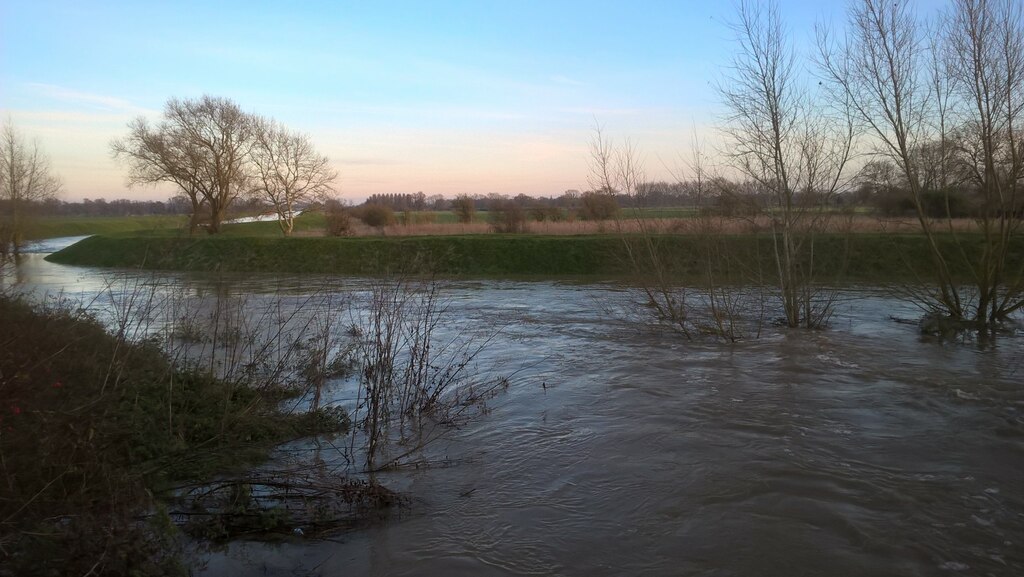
{"points": [[895, 202], [508, 217], [953, 204], [464, 208], [598, 206], [735, 204], [376, 215], [548, 213], [556, 214], [418, 217], [339, 220]]}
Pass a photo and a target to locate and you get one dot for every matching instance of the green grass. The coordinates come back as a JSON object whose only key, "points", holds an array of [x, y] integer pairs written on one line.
{"points": [[169, 225], [862, 257], [56, 226]]}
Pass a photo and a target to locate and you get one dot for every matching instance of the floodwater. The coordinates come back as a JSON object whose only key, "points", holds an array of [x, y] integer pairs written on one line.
{"points": [[863, 449]]}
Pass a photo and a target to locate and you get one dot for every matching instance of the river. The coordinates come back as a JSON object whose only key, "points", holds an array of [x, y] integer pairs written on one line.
{"points": [[863, 449]]}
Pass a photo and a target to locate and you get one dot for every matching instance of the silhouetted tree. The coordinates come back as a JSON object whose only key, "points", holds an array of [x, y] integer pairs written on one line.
{"points": [[25, 178]]}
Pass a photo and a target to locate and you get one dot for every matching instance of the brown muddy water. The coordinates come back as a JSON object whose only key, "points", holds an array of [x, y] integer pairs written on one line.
{"points": [[863, 449]]}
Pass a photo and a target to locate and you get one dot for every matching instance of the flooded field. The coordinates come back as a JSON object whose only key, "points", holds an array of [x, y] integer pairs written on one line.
{"points": [[863, 449]]}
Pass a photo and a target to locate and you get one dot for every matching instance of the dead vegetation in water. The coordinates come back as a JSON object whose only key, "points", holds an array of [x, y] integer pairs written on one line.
{"points": [[112, 437], [415, 379], [275, 505]]}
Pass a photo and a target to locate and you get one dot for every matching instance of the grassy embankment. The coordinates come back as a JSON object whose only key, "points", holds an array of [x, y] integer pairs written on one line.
{"points": [[855, 258], [162, 243]]}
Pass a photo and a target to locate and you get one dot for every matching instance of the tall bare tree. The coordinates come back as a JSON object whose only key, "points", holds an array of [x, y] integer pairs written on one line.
{"points": [[288, 170], [25, 177], [159, 154], [942, 102], [221, 136], [789, 144], [881, 69], [203, 146], [984, 52]]}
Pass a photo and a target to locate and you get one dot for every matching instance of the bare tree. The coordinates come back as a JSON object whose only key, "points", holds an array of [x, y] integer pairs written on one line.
{"points": [[790, 145], [288, 170], [203, 146], [881, 69], [25, 177], [161, 154], [620, 169], [910, 85], [984, 52], [222, 136]]}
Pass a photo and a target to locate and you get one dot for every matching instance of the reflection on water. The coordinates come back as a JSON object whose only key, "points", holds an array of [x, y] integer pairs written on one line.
{"points": [[48, 245], [864, 449]]}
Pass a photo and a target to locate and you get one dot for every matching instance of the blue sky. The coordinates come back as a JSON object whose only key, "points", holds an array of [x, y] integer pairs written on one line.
{"points": [[440, 97]]}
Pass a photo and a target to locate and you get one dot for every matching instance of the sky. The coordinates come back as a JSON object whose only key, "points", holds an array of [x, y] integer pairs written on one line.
{"points": [[447, 98]]}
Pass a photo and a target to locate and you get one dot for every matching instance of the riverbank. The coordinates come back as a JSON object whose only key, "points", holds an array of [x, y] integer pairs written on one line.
{"points": [[103, 436], [735, 258]]}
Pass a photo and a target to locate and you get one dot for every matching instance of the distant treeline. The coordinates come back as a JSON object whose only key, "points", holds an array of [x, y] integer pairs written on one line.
{"points": [[177, 205], [652, 194], [876, 188], [103, 207], [729, 195]]}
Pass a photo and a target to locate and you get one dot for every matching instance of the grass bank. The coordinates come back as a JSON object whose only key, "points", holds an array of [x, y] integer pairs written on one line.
{"points": [[861, 257]]}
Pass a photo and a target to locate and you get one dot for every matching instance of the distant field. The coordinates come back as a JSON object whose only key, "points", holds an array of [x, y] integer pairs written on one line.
{"points": [[55, 226], [440, 223], [667, 212], [173, 225]]}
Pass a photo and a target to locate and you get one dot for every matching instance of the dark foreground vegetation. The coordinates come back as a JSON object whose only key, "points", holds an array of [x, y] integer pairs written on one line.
{"points": [[101, 437], [837, 258]]}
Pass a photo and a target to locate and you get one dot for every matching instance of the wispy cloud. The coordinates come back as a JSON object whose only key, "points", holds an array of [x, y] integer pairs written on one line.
{"points": [[92, 100], [65, 117], [356, 161], [421, 111], [603, 112], [565, 80]]}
